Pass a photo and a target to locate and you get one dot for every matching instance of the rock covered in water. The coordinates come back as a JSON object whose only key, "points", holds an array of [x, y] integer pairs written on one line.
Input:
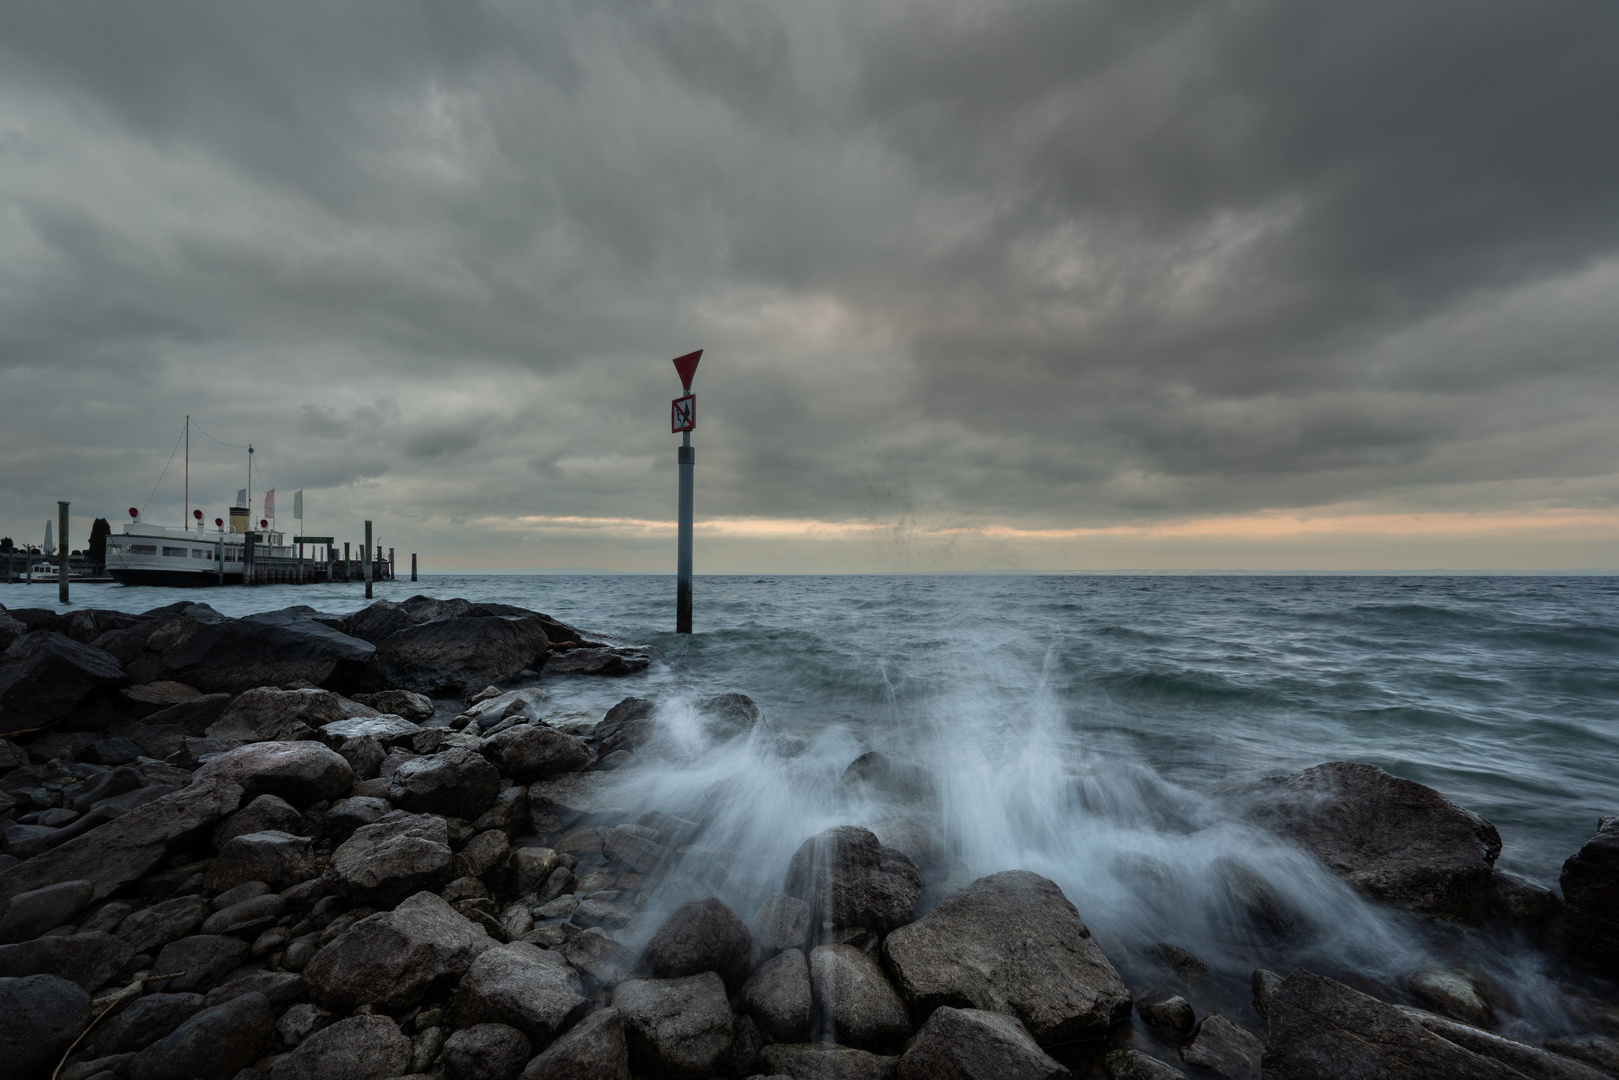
{"points": [[530, 988], [970, 1044], [854, 1002], [44, 1014], [849, 879], [702, 935], [629, 725], [394, 957], [1590, 882], [1390, 838], [1010, 943], [45, 675], [816, 1060], [679, 1028], [782, 922], [593, 1049], [359, 1048]]}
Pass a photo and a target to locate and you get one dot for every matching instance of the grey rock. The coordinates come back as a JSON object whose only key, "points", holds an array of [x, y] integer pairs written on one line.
{"points": [[849, 879], [365, 757], [1531, 1061], [156, 926], [268, 714], [1392, 839], [448, 656], [599, 661], [1264, 984], [628, 725], [534, 751], [1453, 993], [394, 957], [278, 858], [1319, 1027], [1593, 1050], [578, 794], [508, 814], [115, 751], [124, 850], [779, 997], [214, 1044], [1167, 1010], [484, 852], [1134, 1065], [675, 1027], [532, 865], [280, 988], [1590, 882], [1010, 943], [254, 913], [87, 959], [917, 841], [970, 1044], [1225, 1049], [556, 885], [1180, 962], [636, 852], [702, 935], [266, 813], [853, 1000], [454, 783], [44, 1013], [359, 1048], [193, 716], [425, 1048], [143, 1022], [30, 914], [599, 957], [593, 1049], [45, 675], [384, 862], [299, 772], [880, 778], [388, 731], [782, 922], [602, 913], [349, 814], [398, 702], [203, 959], [301, 1021], [247, 890], [827, 1061], [486, 1052], [729, 716], [523, 985]]}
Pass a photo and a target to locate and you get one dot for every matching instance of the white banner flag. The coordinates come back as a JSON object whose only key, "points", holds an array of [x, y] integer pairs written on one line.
{"points": [[298, 504], [269, 503]]}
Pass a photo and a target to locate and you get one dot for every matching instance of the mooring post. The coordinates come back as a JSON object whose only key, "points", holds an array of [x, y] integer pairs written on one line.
{"points": [[413, 566], [247, 557], [62, 563], [345, 560], [390, 564], [368, 560], [683, 418], [219, 557]]}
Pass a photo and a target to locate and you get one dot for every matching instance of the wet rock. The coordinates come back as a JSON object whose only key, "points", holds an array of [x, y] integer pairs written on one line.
{"points": [[1010, 943], [268, 714], [1134, 1065], [1185, 964], [359, 1048], [969, 1044], [599, 661], [1264, 984], [1452, 993], [729, 716], [878, 777], [508, 814], [534, 751], [853, 1000], [45, 675], [675, 1027], [298, 772], [1523, 902], [779, 997], [640, 853], [455, 783], [1391, 839], [486, 1052], [270, 648], [387, 861], [394, 957], [601, 958], [1530, 1061], [628, 725], [1167, 1010], [279, 858], [484, 852], [301, 1021], [1590, 882], [247, 916], [602, 913], [214, 1044], [532, 866], [575, 794], [264, 814], [782, 922], [30, 914], [43, 1015], [387, 731], [827, 1061], [156, 926], [849, 879], [915, 840], [1225, 1049], [523, 985], [143, 1022], [205, 960], [702, 935], [398, 702], [87, 959], [449, 656], [1319, 1027], [593, 1049], [1593, 1050]]}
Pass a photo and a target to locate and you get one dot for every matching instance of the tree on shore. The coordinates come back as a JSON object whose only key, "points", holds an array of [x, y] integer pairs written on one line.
{"points": [[99, 531], [6, 545]]}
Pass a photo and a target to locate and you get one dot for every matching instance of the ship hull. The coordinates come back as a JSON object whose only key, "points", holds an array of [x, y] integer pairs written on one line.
{"points": [[184, 579]]}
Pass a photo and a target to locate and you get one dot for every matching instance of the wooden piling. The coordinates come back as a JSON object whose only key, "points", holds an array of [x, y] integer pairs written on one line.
{"points": [[62, 561], [368, 560], [413, 566]]}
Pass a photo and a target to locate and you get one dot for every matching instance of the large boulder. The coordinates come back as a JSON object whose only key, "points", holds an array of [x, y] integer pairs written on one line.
{"points": [[486, 1052], [629, 725], [278, 858], [1319, 1027], [393, 859], [456, 783], [970, 1044], [593, 1049], [853, 1000], [702, 935], [1010, 943], [523, 985], [815, 1061], [359, 1048], [849, 879], [122, 851], [44, 1013], [299, 772], [1390, 838], [535, 751], [215, 654], [1590, 883], [679, 1028], [87, 959], [215, 1044], [266, 713], [264, 814], [447, 657], [388, 731], [45, 675], [779, 997], [394, 958], [1531, 1061]]}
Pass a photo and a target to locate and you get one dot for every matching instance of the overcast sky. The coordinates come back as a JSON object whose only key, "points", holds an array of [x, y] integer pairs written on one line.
{"points": [[982, 285]]}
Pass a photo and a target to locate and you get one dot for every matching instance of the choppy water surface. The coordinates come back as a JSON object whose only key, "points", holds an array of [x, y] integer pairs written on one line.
{"points": [[1084, 728]]}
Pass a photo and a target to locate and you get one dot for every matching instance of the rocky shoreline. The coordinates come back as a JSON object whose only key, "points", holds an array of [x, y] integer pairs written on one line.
{"points": [[298, 846]]}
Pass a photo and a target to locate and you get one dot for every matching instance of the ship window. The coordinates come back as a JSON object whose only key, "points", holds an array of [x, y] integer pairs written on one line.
{"points": [[176, 553], [142, 549], [199, 553]]}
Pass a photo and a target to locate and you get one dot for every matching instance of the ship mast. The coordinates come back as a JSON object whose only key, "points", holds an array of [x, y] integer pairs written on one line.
{"points": [[249, 487], [186, 521]]}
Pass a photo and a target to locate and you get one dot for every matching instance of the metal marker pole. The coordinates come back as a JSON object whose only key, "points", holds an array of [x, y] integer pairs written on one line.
{"points": [[368, 560], [688, 458], [61, 550], [413, 566]]}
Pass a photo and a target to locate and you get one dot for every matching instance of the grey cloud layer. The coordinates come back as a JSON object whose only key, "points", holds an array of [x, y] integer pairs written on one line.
{"points": [[1049, 263]]}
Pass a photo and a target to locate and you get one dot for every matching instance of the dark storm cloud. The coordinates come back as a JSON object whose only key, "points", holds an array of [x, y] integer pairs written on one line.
{"points": [[1048, 263]]}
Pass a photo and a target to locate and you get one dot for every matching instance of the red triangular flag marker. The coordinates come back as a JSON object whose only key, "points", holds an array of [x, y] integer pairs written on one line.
{"points": [[687, 367]]}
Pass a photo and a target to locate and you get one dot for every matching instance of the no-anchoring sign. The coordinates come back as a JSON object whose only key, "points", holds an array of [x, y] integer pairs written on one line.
{"points": [[683, 413]]}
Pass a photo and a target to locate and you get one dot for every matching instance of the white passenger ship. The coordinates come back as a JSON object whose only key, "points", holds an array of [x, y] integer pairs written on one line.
{"points": [[147, 554]]}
